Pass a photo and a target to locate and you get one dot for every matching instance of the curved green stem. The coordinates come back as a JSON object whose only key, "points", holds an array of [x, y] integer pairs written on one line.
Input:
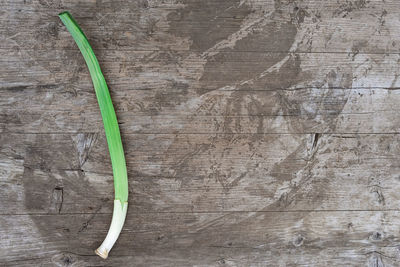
{"points": [[109, 118]]}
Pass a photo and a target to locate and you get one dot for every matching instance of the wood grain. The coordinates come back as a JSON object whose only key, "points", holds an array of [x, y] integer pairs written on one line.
{"points": [[305, 238], [257, 133]]}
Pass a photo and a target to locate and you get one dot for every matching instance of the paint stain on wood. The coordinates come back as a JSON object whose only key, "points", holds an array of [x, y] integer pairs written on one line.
{"points": [[207, 22]]}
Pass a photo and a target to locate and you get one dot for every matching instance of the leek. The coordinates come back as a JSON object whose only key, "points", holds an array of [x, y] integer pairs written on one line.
{"points": [[112, 134]]}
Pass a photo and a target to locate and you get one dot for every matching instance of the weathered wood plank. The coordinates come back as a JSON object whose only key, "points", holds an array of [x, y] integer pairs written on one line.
{"points": [[62, 109], [182, 25], [180, 173], [156, 70], [182, 239]]}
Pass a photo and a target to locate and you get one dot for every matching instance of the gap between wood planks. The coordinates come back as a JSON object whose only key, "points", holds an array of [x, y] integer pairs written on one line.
{"points": [[45, 214]]}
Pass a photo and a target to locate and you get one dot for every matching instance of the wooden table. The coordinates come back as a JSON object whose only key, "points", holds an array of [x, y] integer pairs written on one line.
{"points": [[257, 133]]}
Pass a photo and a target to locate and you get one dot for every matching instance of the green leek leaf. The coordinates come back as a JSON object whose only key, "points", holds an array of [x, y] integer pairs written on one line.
{"points": [[106, 108]]}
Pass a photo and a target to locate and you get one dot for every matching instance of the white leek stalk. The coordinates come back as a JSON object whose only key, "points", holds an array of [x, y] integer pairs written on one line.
{"points": [[117, 222]]}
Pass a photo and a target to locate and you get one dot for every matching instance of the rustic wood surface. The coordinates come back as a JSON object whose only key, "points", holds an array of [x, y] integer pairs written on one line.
{"points": [[257, 133]]}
